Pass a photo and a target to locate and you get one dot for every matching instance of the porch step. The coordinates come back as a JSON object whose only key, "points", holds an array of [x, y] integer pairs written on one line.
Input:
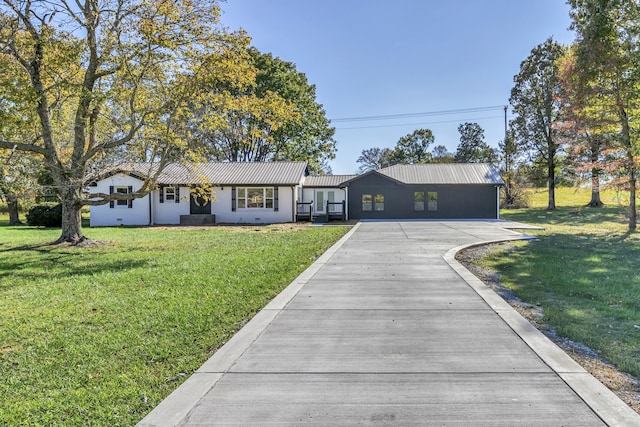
{"points": [[320, 219], [197, 219]]}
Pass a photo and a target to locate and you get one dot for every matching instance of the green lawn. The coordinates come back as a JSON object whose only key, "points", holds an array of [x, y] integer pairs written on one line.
{"points": [[100, 335], [583, 271]]}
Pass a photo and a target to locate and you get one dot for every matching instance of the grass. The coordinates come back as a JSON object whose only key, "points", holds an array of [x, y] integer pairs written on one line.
{"points": [[583, 272], [100, 335]]}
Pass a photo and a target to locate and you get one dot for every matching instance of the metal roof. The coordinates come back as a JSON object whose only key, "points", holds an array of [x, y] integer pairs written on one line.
{"points": [[235, 173], [326, 180], [444, 173]]}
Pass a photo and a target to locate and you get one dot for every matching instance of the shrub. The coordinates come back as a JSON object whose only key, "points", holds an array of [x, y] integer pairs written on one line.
{"points": [[45, 215], [515, 198]]}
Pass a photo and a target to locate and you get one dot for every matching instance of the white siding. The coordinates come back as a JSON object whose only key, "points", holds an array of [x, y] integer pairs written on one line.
{"points": [[221, 208], [309, 194], [104, 215], [169, 212]]}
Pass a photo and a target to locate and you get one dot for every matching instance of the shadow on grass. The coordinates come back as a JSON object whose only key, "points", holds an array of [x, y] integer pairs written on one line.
{"points": [[587, 285], [47, 261], [573, 216]]}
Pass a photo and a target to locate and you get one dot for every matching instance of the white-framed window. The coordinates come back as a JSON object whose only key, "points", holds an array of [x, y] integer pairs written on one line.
{"points": [[122, 190], [319, 201], [254, 198], [170, 193]]}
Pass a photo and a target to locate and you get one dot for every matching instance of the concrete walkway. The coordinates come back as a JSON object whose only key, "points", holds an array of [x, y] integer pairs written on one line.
{"points": [[386, 328]]}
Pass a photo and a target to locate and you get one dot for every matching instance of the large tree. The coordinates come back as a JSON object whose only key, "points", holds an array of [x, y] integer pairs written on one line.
{"points": [[414, 147], [608, 73], [375, 158], [472, 147], [588, 133], [277, 118], [105, 79], [534, 99]]}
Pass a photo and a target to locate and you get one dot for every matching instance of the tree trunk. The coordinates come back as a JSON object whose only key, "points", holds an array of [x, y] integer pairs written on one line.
{"points": [[71, 217], [632, 198], [595, 175], [14, 212], [551, 171], [595, 190], [631, 164]]}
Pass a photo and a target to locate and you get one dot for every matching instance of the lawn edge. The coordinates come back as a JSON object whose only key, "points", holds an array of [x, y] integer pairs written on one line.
{"points": [[177, 406], [604, 402]]}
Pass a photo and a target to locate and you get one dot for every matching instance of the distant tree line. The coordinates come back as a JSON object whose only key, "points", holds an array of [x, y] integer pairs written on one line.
{"points": [[575, 110], [418, 147]]}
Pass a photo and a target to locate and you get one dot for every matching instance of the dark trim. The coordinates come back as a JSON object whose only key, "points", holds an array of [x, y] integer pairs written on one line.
{"points": [[176, 193], [162, 194], [275, 199], [130, 201], [111, 202], [233, 199]]}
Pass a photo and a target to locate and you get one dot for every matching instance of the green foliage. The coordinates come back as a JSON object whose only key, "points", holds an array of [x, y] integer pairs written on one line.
{"points": [[414, 147], [605, 81], [535, 102], [274, 117], [472, 147], [440, 154], [45, 215], [410, 149], [375, 158], [100, 335], [94, 83]]}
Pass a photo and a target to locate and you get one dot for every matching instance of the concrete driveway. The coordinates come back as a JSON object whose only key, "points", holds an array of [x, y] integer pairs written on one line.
{"points": [[386, 328]]}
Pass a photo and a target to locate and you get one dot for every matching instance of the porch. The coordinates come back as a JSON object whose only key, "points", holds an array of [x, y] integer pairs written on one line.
{"points": [[332, 211]]}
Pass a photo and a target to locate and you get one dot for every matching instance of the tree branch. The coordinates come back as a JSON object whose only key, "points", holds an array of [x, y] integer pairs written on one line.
{"points": [[23, 147]]}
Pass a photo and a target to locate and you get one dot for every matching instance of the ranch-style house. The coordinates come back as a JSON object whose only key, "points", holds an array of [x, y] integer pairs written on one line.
{"points": [[275, 192]]}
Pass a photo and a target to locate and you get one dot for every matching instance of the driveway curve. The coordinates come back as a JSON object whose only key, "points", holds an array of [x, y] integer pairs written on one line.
{"points": [[386, 328]]}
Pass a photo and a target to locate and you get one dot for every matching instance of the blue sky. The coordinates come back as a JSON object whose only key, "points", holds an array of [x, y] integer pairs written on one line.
{"points": [[402, 57]]}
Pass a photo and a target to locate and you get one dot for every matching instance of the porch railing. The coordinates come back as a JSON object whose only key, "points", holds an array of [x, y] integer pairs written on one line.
{"points": [[304, 211], [336, 210]]}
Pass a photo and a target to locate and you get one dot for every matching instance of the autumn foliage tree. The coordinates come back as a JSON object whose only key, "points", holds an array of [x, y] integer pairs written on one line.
{"points": [[105, 79], [607, 74], [274, 118], [534, 99]]}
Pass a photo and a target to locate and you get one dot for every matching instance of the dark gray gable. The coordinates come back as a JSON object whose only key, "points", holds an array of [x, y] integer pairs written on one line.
{"points": [[371, 177]]}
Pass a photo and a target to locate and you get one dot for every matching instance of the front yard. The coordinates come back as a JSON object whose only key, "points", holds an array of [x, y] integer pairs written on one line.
{"points": [[100, 335]]}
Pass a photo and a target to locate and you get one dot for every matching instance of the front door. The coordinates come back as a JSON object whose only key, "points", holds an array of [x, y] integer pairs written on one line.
{"points": [[199, 205], [322, 197]]}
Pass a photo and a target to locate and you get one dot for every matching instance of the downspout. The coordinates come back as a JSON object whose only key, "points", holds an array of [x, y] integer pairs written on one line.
{"points": [[498, 201], [346, 202], [150, 207], [294, 191]]}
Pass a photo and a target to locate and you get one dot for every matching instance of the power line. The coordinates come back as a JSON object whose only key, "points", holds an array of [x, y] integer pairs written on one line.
{"points": [[418, 124], [423, 114]]}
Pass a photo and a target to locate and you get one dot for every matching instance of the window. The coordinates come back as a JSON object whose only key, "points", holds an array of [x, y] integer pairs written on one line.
{"points": [[319, 201], [378, 202], [367, 204], [433, 201], [255, 198], [418, 201], [331, 198], [169, 193], [122, 190]]}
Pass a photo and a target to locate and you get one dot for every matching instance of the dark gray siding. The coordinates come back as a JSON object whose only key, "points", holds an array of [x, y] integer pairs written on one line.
{"points": [[455, 201]]}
